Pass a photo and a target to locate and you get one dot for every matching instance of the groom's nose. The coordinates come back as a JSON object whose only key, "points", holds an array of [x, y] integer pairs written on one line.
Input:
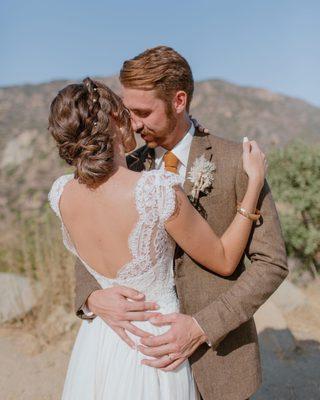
{"points": [[137, 125]]}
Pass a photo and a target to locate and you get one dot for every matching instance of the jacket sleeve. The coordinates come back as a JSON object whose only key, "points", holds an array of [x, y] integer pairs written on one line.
{"points": [[268, 268], [85, 284]]}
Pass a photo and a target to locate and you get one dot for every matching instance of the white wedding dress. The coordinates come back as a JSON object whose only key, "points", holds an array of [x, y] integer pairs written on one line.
{"points": [[102, 366]]}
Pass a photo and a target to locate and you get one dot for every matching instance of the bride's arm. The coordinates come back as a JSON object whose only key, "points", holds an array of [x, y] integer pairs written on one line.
{"points": [[195, 236]]}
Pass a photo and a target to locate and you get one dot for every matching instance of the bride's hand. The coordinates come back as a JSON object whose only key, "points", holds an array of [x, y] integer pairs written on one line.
{"points": [[254, 162]]}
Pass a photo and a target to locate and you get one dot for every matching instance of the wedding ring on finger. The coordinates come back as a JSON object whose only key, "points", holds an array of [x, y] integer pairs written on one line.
{"points": [[171, 358]]}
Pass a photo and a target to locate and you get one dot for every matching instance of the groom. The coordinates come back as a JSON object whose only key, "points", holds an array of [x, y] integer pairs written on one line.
{"points": [[215, 328]]}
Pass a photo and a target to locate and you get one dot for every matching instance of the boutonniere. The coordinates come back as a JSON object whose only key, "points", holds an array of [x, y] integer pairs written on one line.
{"points": [[201, 175]]}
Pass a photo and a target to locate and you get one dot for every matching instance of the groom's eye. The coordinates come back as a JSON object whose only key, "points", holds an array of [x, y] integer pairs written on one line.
{"points": [[142, 113]]}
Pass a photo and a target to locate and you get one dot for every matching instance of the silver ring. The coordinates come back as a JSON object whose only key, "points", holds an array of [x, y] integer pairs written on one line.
{"points": [[170, 357]]}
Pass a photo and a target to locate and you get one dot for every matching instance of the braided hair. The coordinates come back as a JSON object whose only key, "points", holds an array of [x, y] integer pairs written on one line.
{"points": [[80, 122]]}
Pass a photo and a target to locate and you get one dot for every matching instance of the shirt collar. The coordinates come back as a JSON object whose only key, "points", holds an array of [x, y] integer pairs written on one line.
{"points": [[181, 150]]}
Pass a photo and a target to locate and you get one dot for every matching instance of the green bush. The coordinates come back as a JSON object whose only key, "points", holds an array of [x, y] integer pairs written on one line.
{"points": [[295, 182]]}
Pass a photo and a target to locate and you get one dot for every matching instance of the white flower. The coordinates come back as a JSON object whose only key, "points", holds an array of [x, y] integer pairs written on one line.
{"points": [[201, 175]]}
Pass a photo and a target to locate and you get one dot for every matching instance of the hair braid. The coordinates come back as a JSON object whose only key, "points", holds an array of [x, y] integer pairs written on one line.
{"points": [[80, 123]]}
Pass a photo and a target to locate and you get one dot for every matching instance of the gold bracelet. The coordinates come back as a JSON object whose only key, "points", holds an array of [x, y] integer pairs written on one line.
{"points": [[245, 213]]}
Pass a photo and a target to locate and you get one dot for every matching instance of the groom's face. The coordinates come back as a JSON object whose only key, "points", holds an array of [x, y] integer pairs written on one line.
{"points": [[151, 117]]}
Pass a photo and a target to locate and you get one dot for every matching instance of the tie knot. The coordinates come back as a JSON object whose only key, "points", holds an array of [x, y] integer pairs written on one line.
{"points": [[171, 162]]}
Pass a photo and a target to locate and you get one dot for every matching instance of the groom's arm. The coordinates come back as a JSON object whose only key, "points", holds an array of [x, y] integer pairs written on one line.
{"points": [[85, 284], [117, 305], [266, 251]]}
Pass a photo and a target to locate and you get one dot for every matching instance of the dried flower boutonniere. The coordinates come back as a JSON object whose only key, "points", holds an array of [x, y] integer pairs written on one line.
{"points": [[201, 175]]}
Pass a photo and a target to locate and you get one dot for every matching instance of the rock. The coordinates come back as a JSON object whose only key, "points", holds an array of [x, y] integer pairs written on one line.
{"points": [[19, 149], [269, 316], [274, 334], [58, 323], [288, 297], [17, 296]]}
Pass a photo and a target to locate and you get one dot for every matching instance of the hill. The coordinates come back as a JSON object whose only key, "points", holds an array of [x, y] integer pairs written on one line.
{"points": [[29, 162]]}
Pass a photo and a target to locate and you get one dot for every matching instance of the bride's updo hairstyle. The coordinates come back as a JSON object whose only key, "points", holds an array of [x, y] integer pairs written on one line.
{"points": [[80, 121]]}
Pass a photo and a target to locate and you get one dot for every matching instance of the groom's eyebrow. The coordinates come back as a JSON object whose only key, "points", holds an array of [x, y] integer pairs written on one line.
{"points": [[141, 109]]}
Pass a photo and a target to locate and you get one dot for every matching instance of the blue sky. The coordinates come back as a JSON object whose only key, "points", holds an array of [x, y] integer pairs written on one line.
{"points": [[263, 43]]}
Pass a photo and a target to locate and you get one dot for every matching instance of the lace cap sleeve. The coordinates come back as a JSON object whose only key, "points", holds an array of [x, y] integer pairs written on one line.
{"points": [[167, 195], [56, 191]]}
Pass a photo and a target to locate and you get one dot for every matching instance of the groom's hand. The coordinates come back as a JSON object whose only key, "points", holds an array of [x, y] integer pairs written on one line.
{"points": [[173, 347], [119, 305]]}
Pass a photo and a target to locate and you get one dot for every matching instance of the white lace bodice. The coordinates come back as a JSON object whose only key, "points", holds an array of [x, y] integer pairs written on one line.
{"points": [[152, 249]]}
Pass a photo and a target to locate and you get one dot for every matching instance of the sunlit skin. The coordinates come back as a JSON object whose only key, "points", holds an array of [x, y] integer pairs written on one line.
{"points": [[158, 124]]}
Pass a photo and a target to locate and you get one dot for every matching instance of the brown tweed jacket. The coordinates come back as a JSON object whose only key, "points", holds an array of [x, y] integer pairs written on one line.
{"points": [[223, 306]]}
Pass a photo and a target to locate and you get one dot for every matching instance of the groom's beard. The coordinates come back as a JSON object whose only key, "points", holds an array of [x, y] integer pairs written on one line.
{"points": [[152, 144], [155, 139]]}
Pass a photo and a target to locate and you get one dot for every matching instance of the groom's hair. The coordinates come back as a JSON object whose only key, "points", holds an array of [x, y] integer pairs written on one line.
{"points": [[162, 69]]}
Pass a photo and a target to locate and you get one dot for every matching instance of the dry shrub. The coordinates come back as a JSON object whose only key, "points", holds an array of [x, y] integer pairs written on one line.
{"points": [[33, 248]]}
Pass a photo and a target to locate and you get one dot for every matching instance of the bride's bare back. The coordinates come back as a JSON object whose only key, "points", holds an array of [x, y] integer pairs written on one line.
{"points": [[100, 221], [119, 231]]}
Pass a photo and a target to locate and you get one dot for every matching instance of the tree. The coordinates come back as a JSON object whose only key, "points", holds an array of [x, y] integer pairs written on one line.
{"points": [[295, 181]]}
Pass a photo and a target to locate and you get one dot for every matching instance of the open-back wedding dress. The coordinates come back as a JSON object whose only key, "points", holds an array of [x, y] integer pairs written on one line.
{"points": [[102, 365]]}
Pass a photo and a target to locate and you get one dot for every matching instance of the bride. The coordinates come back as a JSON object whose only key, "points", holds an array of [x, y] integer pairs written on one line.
{"points": [[124, 227]]}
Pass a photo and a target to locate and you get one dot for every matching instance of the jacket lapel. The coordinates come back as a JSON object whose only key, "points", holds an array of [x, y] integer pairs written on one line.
{"points": [[141, 159], [201, 144]]}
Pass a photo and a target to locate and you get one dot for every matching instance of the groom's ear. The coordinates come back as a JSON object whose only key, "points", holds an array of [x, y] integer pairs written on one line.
{"points": [[180, 101]]}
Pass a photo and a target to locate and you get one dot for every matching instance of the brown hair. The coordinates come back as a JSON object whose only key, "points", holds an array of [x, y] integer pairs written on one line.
{"points": [[79, 121], [160, 68]]}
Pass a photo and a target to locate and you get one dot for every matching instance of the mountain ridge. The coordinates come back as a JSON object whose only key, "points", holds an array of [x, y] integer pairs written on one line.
{"points": [[29, 161]]}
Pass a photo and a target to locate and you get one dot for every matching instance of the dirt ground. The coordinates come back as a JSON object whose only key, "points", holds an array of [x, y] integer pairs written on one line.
{"points": [[30, 371], [293, 374]]}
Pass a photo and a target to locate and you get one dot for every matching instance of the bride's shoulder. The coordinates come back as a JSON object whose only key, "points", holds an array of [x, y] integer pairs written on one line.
{"points": [[61, 181], [158, 190], [56, 190]]}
